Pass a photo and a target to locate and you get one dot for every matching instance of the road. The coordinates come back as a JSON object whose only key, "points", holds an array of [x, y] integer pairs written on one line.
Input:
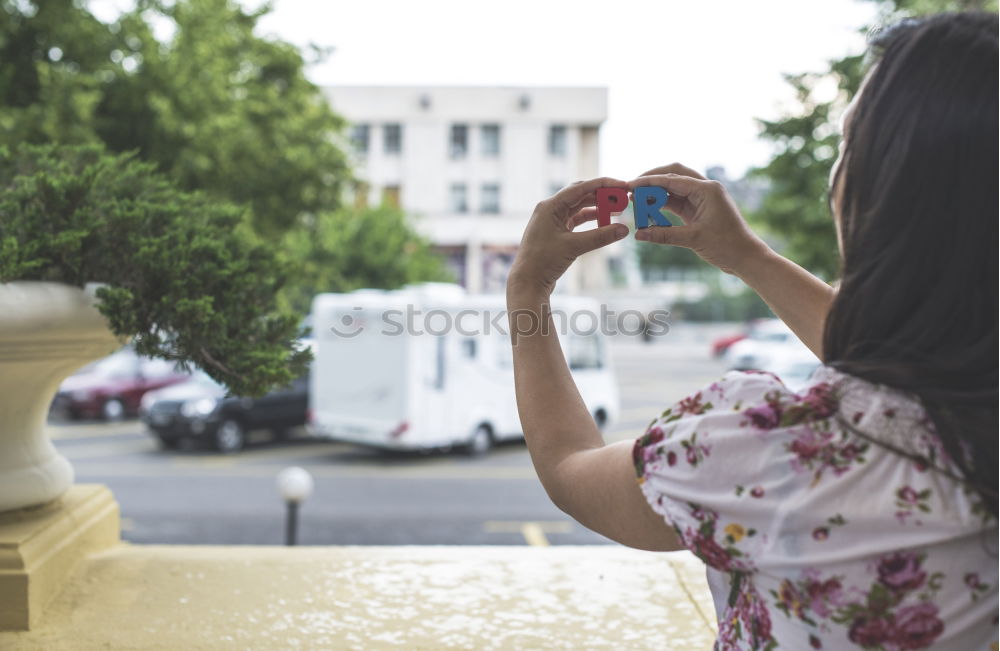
{"points": [[364, 497]]}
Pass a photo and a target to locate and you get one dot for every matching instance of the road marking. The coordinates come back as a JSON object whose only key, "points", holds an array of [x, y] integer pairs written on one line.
{"points": [[92, 430], [445, 472], [107, 449], [533, 531], [534, 535], [247, 457]]}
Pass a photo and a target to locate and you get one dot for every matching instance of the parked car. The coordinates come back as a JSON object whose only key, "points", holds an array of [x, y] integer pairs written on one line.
{"points": [[200, 410], [112, 388], [722, 344], [772, 346]]}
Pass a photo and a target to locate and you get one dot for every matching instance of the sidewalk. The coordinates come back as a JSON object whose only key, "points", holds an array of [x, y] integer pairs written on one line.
{"points": [[177, 597]]}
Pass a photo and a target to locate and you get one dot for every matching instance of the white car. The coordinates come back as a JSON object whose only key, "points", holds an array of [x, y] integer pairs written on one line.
{"points": [[772, 346]]}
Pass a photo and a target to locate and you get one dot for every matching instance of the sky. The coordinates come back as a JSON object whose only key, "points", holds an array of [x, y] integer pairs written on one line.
{"points": [[685, 80]]}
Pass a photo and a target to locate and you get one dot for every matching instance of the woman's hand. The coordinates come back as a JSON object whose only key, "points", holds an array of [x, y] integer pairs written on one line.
{"points": [[549, 245], [713, 227]]}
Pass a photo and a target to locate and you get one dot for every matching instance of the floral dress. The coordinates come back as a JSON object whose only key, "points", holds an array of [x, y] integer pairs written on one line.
{"points": [[816, 537]]}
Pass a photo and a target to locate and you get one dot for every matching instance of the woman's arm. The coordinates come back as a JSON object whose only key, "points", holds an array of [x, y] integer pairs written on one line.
{"points": [[593, 483], [799, 298], [714, 229]]}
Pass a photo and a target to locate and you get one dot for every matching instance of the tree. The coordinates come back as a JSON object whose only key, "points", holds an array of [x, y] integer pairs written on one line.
{"points": [[217, 109], [359, 248], [52, 57], [185, 278], [214, 106], [806, 142]]}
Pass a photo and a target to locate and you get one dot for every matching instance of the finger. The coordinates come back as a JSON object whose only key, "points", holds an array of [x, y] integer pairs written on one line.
{"points": [[674, 168], [683, 186], [580, 194], [581, 217], [676, 204], [594, 239], [674, 235]]}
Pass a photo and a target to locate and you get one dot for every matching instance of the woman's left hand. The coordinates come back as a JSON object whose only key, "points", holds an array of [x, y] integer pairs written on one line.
{"points": [[549, 245]]}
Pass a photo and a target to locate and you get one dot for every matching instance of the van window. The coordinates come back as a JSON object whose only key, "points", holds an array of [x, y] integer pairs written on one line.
{"points": [[584, 353]]}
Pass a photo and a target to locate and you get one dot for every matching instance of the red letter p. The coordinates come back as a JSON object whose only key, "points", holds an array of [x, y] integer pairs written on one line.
{"points": [[610, 201]]}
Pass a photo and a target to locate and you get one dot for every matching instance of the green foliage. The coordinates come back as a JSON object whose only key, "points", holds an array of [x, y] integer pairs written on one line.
{"points": [[52, 56], [215, 106], [185, 277], [359, 248], [658, 256], [806, 141], [719, 306], [795, 209]]}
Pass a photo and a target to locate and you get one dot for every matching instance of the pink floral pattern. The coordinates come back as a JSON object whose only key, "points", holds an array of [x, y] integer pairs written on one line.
{"points": [[808, 527]]}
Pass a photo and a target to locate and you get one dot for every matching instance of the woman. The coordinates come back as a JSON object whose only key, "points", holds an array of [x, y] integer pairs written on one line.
{"points": [[862, 511]]}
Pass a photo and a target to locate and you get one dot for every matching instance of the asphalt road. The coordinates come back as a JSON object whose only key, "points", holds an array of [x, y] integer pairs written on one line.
{"points": [[364, 497]]}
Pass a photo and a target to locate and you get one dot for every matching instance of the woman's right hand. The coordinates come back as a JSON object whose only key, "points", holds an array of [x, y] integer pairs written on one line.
{"points": [[713, 227]]}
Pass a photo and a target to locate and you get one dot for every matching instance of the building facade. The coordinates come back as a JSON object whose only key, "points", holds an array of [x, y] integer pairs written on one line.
{"points": [[468, 164]]}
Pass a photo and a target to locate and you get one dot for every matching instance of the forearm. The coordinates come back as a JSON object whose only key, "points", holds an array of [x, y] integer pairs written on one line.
{"points": [[554, 418], [797, 297]]}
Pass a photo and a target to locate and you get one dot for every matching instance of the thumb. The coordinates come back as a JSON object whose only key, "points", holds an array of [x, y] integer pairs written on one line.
{"points": [[674, 235], [585, 241]]}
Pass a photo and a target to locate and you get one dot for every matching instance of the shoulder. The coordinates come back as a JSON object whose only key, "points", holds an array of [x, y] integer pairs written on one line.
{"points": [[729, 401], [749, 415]]}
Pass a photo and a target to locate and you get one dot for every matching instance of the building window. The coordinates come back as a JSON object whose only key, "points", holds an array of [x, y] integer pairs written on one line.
{"points": [[458, 199], [359, 138], [490, 134], [557, 140], [458, 142], [489, 199], [392, 138], [391, 195]]}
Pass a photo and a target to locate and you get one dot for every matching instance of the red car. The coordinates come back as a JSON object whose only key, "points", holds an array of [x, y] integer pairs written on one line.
{"points": [[722, 344], [111, 388]]}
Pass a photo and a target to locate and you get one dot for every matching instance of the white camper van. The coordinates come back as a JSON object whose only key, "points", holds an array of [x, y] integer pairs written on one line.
{"points": [[430, 367]]}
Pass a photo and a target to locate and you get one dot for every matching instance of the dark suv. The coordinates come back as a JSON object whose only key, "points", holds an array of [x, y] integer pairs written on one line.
{"points": [[200, 410]]}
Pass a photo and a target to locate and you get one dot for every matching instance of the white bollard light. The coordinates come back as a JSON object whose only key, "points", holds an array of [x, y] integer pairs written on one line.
{"points": [[295, 486]]}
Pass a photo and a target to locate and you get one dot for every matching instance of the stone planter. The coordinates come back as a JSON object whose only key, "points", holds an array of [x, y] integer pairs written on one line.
{"points": [[47, 331]]}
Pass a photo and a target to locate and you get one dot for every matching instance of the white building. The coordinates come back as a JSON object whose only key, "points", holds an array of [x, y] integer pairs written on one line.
{"points": [[470, 163]]}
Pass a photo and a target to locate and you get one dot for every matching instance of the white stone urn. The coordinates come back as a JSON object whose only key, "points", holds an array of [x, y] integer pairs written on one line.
{"points": [[47, 331]]}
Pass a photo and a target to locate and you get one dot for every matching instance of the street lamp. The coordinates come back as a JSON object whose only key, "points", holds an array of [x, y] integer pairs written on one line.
{"points": [[295, 485]]}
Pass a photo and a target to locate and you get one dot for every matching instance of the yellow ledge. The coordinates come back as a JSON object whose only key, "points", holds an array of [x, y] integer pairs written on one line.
{"points": [[180, 597]]}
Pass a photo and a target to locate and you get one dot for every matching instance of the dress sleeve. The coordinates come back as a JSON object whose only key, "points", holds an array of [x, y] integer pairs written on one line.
{"points": [[708, 466]]}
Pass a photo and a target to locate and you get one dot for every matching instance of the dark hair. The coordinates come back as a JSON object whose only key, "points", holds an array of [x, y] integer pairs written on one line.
{"points": [[917, 199]]}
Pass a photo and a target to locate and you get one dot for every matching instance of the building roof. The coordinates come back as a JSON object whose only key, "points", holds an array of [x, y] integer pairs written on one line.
{"points": [[570, 104]]}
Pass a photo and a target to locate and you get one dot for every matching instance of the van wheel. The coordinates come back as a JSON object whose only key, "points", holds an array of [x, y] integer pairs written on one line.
{"points": [[480, 443], [230, 436]]}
